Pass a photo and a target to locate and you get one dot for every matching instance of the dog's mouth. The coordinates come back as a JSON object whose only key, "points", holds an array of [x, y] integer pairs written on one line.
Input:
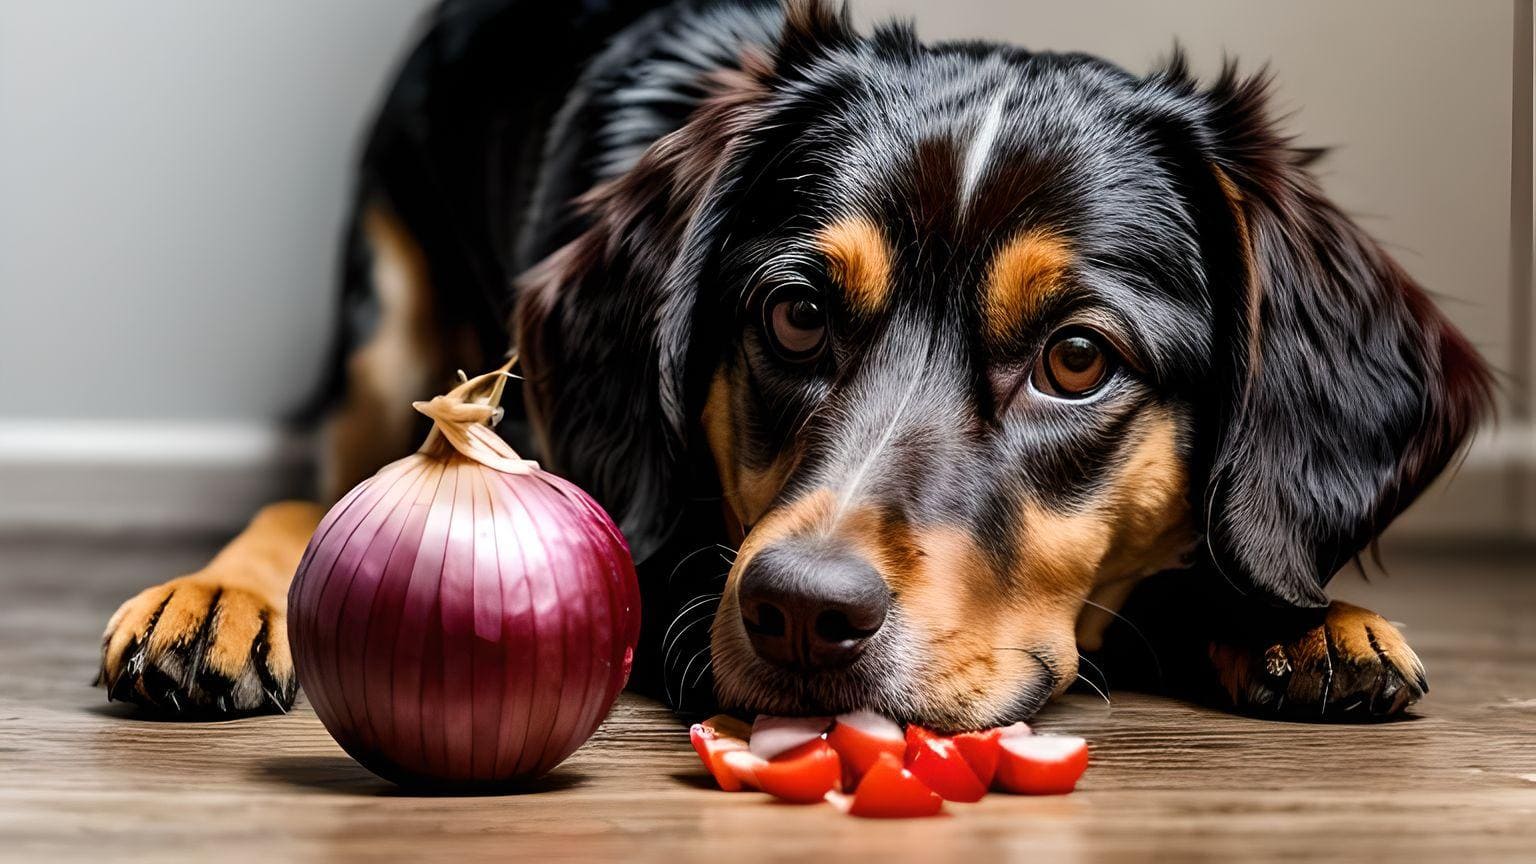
{"points": [[746, 682], [891, 675]]}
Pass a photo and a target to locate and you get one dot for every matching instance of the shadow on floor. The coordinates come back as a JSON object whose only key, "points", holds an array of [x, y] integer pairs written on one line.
{"points": [[696, 780], [341, 775], [142, 714]]}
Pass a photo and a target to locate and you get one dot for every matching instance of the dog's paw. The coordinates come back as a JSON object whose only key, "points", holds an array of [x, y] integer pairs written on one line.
{"points": [[1353, 665], [196, 646]]}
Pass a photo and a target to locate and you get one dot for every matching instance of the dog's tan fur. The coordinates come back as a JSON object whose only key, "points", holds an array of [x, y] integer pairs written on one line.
{"points": [[859, 261], [240, 597], [402, 361], [1025, 272], [748, 491]]}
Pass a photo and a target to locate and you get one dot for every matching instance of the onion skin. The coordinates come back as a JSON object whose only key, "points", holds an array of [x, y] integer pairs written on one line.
{"points": [[457, 624]]}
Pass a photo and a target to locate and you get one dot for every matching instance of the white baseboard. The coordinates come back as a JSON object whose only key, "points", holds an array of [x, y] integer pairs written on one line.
{"points": [[211, 476], [145, 476]]}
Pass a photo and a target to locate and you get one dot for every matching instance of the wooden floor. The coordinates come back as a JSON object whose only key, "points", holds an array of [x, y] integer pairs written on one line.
{"points": [[82, 780]]}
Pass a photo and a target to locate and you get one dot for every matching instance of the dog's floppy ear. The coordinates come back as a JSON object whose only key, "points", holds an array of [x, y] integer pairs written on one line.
{"points": [[605, 325], [1344, 391]]}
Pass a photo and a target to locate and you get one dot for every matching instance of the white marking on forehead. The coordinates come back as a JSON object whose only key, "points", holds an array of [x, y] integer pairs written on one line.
{"points": [[980, 151]]}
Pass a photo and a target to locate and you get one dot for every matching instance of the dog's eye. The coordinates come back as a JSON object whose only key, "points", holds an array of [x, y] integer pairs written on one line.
{"points": [[797, 327], [1074, 364]]}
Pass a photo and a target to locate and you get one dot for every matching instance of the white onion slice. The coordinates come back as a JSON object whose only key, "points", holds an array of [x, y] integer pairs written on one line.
{"points": [[774, 735]]}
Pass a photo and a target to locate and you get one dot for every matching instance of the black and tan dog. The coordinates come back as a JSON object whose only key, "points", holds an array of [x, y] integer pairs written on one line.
{"points": [[942, 348]]}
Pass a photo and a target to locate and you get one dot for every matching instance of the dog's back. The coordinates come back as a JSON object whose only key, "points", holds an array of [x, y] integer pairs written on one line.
{"points": [[503, 114]]}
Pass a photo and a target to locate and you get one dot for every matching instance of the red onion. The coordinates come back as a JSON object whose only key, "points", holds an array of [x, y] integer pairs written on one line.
{"points": [[462, 616]]}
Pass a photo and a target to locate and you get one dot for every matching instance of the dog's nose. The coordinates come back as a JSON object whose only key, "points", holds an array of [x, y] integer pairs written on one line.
{"points": [[807, 609]]}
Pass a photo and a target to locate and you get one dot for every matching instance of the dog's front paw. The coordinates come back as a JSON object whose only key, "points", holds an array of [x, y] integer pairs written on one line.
{"points": [[198, 646], [1354, 664]]}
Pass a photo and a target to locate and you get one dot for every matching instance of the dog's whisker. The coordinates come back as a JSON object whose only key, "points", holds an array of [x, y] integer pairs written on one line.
{"points": [[684, 560], [677, 640], [1102, 694], [1157, 663], [669, 667], [1095, 667], [692, 604], [1052, 672], [708, 666], [684, 636], [669, 658], [683, 678]]}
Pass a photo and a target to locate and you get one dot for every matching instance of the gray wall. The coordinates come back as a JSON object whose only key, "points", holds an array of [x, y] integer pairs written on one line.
{"points": [[171, 192], [175, 171]]}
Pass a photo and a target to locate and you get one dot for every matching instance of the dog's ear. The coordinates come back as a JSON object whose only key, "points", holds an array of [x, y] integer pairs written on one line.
{"points": [[1343, 390], [812, 28], [606, 325], [603, 324]]}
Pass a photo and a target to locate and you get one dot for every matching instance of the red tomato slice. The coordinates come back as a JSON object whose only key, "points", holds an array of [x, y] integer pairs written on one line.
{"points": [[980, 751], [937, 762], [743, 766], [889, 791], [1041, 764], [712, 742], [859, 738], [803, 775]]}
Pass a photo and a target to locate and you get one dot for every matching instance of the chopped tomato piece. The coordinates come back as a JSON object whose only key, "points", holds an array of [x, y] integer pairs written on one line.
{"points": [[743, 766], [981, 752], [772, 736], [889, 791], [936, 760], [859, 738], [891, 773], [712, 740], [802, 775], [1041, 764]]}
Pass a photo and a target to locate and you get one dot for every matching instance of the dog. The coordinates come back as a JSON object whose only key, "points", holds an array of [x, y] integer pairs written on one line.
{"points": [[916, 375]]}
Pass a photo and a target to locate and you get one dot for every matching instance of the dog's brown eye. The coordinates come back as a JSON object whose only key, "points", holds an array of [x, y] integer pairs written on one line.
{"points": [[797, 327], [1074, 365]]}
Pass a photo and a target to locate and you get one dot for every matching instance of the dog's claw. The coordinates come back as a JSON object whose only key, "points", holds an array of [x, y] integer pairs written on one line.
{"points": [[275, 702], [122, 687], [1353, 664], [200, 648]]}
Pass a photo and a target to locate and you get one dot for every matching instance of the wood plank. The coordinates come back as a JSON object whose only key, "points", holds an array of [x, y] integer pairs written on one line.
{"points": [[83, 780]]}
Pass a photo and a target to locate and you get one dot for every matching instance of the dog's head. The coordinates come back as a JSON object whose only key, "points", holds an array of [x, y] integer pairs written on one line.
{"points": [[969, 333]]}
